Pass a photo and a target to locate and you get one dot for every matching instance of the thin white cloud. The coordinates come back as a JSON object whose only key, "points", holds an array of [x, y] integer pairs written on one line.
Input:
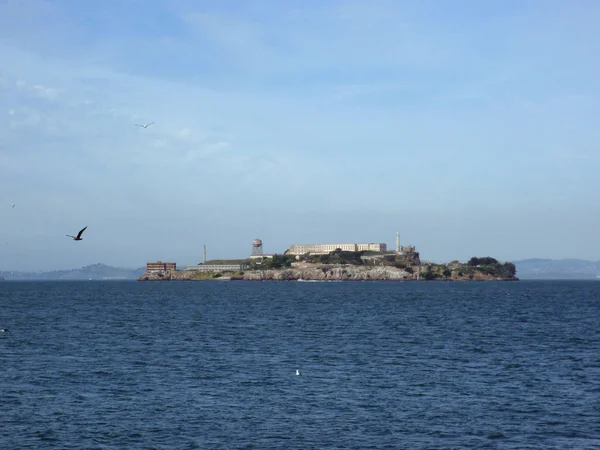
{"points": [[355, 91], [355, 107], [353, 36], [45, 92], [240, 37], [101, 129], [37, 90], [184, 133]]}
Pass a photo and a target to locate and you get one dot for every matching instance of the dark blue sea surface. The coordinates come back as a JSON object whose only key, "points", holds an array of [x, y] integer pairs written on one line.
{"points": [[186, 365]]}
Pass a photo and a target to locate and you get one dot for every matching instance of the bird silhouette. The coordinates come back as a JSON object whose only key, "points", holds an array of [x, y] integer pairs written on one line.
{"points": [[144, 126], [78, 237]]}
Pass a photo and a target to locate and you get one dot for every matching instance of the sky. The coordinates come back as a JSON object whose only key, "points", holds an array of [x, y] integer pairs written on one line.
{"points": [[469, 127]]}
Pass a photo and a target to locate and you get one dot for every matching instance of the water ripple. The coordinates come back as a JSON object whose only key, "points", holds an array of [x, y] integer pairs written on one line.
{"points": [[111, 365]]}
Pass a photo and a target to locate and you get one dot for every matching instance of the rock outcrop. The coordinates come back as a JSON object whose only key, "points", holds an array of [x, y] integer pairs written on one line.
{"points": [[338, 273], [324, 273]]}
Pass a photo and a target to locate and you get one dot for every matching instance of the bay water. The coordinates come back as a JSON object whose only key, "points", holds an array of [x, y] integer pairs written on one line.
{"points": [[212, 364]]}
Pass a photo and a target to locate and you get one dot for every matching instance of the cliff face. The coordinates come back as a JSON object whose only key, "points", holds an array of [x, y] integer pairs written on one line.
{"points": [[314, 272], [336, 273]]}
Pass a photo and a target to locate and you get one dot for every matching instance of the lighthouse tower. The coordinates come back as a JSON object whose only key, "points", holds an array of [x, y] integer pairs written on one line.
{"points": [[398, 248]]}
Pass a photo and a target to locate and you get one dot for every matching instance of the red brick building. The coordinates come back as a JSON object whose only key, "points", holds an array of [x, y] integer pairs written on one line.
{"points": [[160, 266]]}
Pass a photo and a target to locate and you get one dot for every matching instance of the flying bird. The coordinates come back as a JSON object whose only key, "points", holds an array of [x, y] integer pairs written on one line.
{"points": [[78, 237], [144, 126], [13, 205]]}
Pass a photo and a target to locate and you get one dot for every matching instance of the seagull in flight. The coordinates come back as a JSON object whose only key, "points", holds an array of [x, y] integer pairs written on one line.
{"points": [[144, 126], [78, 237]]}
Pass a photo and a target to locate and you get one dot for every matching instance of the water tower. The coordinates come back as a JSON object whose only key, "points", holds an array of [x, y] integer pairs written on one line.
{"points": [[257, 249]]}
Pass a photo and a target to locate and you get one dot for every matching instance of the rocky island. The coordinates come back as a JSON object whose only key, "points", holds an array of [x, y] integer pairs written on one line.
{"points": [[341, 265]]}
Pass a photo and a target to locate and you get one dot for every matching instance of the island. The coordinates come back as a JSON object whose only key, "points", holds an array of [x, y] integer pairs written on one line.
{"points": [[338, 265]]}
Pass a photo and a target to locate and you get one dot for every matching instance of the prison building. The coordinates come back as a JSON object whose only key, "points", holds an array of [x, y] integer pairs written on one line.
{"points": [[322, 249], [160, 266]]}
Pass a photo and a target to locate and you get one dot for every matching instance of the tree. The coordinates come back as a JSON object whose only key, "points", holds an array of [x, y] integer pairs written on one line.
{"points": [[487, 260], [277, 262], [429, 275], [341, 257], [510, 268]]}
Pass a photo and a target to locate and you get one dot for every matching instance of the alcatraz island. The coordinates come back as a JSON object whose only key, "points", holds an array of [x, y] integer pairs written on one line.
{"points": [[334, 262]]}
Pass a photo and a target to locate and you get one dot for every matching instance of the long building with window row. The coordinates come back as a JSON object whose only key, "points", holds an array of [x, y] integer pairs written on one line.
{"points": [[217, 267], [322, 249]]}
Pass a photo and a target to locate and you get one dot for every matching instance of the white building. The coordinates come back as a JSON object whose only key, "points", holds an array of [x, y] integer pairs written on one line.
{"points": [[217, 267], [323, 249]]}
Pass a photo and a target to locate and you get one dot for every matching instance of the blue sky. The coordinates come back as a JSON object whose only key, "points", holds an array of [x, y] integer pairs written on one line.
{"points": [[470, 127]]}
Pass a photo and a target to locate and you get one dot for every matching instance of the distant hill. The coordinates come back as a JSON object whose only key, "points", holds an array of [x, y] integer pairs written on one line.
{"points": [[94, 272], [556, 269]]}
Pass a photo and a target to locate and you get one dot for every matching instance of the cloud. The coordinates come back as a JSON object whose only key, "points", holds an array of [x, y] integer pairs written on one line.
{"points": [[44, 92], [349, 37], [184, 133], [361, 91], [339, 110], [87, 133], [24, 117], [241, 39]]}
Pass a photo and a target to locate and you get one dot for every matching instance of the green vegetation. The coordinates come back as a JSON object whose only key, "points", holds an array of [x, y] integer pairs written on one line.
{"points": [[476, 268], [485, 261], [339, 256], [428, 275], [279, 262], [276, 262], [510, 268], [491, 266]]}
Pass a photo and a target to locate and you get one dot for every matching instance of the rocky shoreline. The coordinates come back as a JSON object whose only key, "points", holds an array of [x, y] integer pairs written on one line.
{"points": [[328, 273]]}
